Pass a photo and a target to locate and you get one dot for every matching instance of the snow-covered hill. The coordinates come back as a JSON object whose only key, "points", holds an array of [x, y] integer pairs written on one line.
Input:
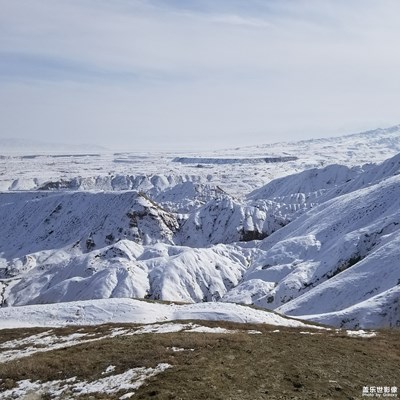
{"points": [[138, 312], [312, 182], [337, 255], [85, 220], [321, 243]]}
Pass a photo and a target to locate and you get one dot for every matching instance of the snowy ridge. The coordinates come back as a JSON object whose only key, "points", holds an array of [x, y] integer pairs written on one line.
{"points": [[152, 185], [135, 311], [370, 313], [227, 220], [188, 196], [311, 182], [373, 175], [357, 142], [223, 161], [86, 220]]}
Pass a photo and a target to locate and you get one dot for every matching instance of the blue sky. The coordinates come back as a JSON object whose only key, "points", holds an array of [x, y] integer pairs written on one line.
{"points": [[174, 75]]}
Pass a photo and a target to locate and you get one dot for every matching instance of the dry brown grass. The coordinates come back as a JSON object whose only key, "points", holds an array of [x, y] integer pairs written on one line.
{"points": [[11, 334], [284, 365]]}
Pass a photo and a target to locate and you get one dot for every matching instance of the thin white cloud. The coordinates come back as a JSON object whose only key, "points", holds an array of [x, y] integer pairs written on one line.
{"points": [[232, 19], [133, 70]]}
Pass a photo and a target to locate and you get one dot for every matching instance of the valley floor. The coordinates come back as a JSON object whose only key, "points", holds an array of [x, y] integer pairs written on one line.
{"points": [[196, 360]]}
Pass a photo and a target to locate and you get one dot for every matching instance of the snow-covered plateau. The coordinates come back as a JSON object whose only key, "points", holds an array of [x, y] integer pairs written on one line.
{"points": [[309, 229]]}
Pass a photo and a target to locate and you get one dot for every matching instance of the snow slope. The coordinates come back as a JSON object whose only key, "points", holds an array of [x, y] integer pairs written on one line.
{"points": [[370, 313], [337, 255], [86, 220], [134, 311], [312, 182]]}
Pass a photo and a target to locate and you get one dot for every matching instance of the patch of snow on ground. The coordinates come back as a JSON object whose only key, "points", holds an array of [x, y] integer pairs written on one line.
{"points": [[39, 344], [179, 349], [206, 329], [129, 380], [45, 341], [361, 333], [119, 332], [163, 328], [109, 369]]}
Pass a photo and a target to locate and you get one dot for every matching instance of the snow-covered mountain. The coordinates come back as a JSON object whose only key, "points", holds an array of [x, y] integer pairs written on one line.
{"points": [[321, 243]]}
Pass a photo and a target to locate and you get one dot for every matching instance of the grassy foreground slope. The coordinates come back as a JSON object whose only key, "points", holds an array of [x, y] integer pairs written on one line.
{"points": [[247, 361]]}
